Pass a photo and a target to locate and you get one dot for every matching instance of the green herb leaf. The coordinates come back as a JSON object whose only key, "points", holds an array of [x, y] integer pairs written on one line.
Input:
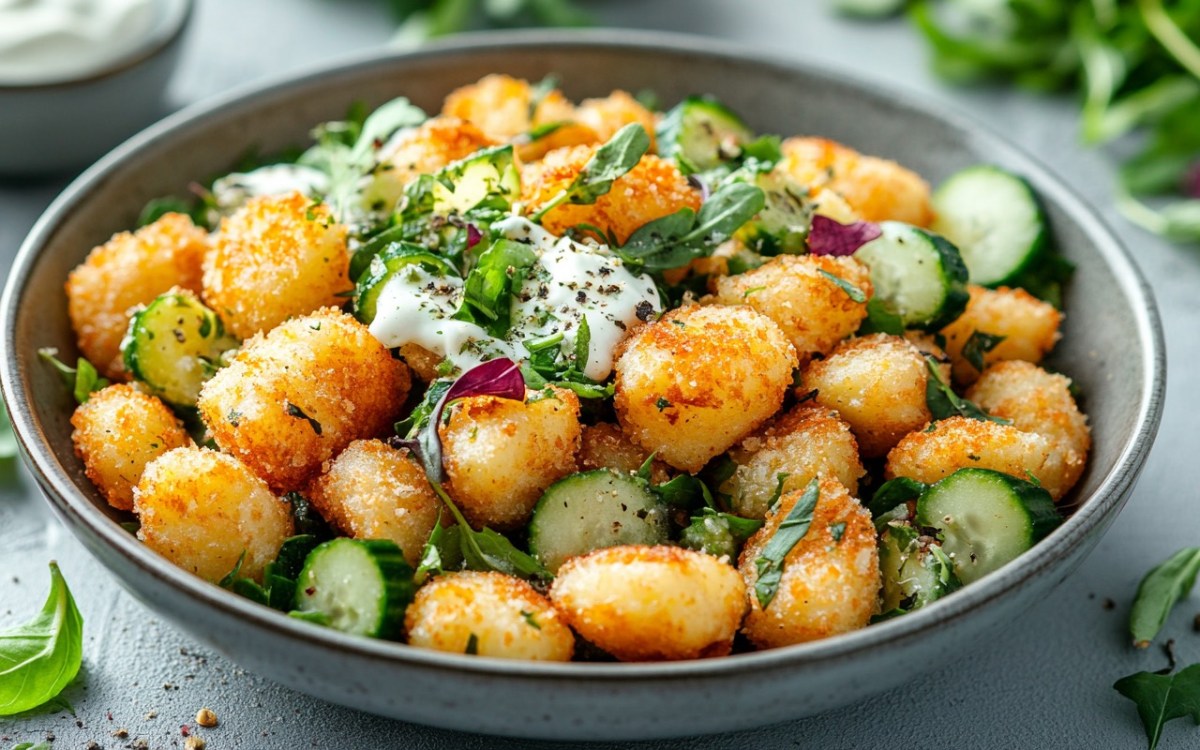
{"points": [[40, 658], [160, 207], [489, 287], [770, 561], [881, 320], [612, 160], [944, 402], [773, 502], [583, 344], [1162, 697], [718, 534], [854, 293], [676, 239], [538, 93], [472, 645], [894, 492], [82, 379], [979, 344], [1159, 591]]}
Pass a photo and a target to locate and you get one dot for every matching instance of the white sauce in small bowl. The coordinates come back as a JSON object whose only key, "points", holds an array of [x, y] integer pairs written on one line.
{"points": [[50, 41]]}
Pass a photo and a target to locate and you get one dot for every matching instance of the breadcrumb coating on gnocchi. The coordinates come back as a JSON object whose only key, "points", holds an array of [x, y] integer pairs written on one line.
{"points": [[652, 189], [1040, 402], [295, 397], [652, 603], [421, 361], [806, 442], [608, 115], [960, 442], [692, 384], [501, 454], [117, 432], [1029, 327], [503, 616], [792, 290], [202, 510], [433, 144], [499, 106], [877, 384], [277, 257], [372, 491], [604, 446], [876, 189], [830, 581], [130, 269]]}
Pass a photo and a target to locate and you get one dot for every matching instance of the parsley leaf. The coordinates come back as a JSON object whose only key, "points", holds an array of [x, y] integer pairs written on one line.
{"points": [[1162, 697], [1159, 591], [768, 566], [41, 657]]}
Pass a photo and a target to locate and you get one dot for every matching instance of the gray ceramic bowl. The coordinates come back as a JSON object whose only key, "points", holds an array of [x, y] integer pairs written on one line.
{"points": [[1112, 347], [52, 126]]}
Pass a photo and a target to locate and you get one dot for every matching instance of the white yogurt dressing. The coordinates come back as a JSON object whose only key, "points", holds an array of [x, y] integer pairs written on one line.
{"points": [[571, 280], [53, 40], [232, 191]]}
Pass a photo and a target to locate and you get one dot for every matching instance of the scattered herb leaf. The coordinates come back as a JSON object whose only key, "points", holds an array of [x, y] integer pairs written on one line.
{"points": [[768, 565], [854, 293], [1159, 591], [943, 402], [979, 344], [82, 379], [41, 657], [1162, 697]]}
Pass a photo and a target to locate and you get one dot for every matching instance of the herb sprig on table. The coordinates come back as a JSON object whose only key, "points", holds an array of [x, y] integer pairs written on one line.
{"points": [[1135, 64], [41, 657]]}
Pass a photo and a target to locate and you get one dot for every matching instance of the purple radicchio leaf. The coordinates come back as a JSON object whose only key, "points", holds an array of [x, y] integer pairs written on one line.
{"points": [[1191, 181], [473, 236], [829, 237], [497, 377]]}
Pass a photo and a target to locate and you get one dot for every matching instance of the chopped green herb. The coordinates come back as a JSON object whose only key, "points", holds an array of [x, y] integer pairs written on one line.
{"points": [[233, 417], [662, 403], [773, 502], [82, 379], [768, 566], [295, 411], [837, 530], [979, 344], [854, 293], [944, 402], [752, 290], [530, 620], [472, 645]]}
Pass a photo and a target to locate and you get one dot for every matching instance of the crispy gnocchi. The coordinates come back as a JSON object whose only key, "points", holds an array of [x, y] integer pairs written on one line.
{"points": [[549, 380]]}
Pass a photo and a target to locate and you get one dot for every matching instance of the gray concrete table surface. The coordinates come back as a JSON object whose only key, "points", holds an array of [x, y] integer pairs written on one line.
{"points": [[1042, 682]]}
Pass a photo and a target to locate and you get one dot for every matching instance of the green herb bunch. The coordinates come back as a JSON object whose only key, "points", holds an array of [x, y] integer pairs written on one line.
{"points": [[1134, 63]]}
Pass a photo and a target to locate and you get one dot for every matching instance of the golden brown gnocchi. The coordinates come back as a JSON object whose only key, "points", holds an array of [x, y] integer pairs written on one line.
{"points": [[651, 603], [1029, 328], [700, 379]]}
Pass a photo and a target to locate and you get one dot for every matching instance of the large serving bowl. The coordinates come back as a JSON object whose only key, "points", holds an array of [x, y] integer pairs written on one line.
{"points": [[1112, 347]]}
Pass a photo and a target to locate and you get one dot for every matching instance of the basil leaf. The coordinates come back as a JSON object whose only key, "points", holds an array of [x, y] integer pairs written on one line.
{"points": [[894, 492], [1159, 591], [1162, 697], [41, 657], [82, 379], [489, 287], [769, 564], [944, 402], [612, 160], [979, 344]]}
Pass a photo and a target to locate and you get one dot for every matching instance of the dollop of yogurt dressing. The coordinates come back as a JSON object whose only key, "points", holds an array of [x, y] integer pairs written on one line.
{"points": [[53, 40], [571, 281], [232, 191]]}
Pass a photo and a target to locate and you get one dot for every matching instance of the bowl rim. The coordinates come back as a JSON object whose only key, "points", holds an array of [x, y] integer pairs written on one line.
{"points": [[73, 506], [165, 33]]}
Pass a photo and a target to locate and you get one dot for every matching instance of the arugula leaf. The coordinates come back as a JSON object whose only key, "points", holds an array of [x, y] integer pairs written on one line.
{"points": [[82, 379], [676, 239], [1162, 697], [1159, 591], [979, 344], [944, 402], [489, 287], [41, 657], [768, 566], [612, 160]]}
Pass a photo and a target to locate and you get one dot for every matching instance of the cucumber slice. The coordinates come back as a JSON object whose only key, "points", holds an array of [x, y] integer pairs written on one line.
{"points": [[915, 569], [174, 345], [487, 174], [700, 133], [986, 518], [593, 510], [388, 263], [360, 586], [917, 275], [994, 219]]}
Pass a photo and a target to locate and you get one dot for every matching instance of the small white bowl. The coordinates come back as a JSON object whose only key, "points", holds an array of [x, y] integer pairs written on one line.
{"points": [[62, 125]]}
